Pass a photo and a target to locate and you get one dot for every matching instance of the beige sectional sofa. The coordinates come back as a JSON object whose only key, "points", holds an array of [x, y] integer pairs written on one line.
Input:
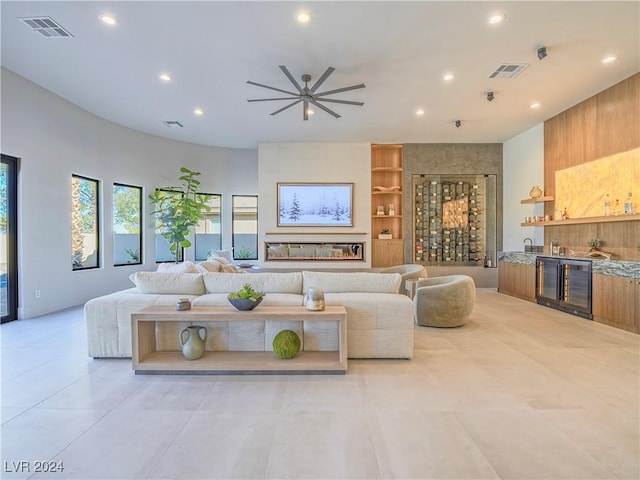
{"points": [[379, 319]]}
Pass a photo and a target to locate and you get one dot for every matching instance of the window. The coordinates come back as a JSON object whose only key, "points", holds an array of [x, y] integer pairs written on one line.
{"points": [[163, 252], [245, 227], [9, 238], [85, 232], [209, 230], [127, 225]]}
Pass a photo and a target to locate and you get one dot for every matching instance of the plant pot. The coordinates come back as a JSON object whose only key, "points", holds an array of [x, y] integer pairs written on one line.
{"points": [[385, 236], [244, 304]]}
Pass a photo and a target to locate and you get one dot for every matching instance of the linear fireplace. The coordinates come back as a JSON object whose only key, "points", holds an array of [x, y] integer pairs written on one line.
{"points": [[314, 251]]}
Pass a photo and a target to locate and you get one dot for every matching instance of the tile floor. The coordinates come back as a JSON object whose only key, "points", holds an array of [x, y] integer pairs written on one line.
{"points": [[520, 392]]}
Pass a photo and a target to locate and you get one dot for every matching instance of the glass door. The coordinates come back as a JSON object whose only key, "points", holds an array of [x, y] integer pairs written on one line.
{"points": [[8, 239]]}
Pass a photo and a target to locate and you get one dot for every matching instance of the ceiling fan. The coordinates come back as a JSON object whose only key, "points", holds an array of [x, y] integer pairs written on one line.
{"points": [[307, 95]]}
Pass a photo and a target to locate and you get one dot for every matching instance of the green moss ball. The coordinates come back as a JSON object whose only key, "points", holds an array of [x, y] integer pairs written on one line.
{"points": [[286, 344]]}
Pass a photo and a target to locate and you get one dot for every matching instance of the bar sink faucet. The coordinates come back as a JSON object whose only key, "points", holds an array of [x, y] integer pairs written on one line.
{"points": [[530, 246]]}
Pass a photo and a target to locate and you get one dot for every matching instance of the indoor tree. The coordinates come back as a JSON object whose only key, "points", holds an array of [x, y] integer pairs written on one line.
{"points": [[179, 209]]}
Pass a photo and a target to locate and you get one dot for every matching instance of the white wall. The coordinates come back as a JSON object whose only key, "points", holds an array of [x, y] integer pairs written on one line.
{"points": [[314, 162], [523, 164], [55, 139]]}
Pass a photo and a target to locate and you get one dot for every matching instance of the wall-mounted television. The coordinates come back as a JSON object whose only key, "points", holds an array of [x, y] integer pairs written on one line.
{"points": [[315, 204]]}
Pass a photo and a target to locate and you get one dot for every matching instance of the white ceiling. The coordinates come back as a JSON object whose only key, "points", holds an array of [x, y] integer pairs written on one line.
{"points": [[400, 50]]}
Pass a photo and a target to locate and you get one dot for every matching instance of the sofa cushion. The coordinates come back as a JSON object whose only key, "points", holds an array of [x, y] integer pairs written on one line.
{"points": [[168, 283], [221, 282], [331, 282]]}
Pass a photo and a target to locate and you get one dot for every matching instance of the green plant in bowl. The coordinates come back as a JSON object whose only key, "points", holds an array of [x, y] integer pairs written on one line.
{"points": [[247, 298]]}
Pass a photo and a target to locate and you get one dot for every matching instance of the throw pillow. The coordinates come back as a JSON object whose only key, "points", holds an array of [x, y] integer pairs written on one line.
{"points": [[184, 267], [228, 254], [209, 266]]}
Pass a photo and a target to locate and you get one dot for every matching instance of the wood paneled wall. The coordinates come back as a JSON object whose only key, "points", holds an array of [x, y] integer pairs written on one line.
{"points": [[602, 125]]}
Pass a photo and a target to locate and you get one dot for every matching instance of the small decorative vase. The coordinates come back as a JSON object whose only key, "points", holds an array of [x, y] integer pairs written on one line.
{"points": [[535, 192], [193, 346], [314, 300]]}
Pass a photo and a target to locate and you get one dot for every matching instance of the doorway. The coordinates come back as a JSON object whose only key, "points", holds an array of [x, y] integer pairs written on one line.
{"points": [[8, 238]]}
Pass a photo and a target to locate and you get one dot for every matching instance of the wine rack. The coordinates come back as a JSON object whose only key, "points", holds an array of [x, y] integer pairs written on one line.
{"points": [[449, 220]]}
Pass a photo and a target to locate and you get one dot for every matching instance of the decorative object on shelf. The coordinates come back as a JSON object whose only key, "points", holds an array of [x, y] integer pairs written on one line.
{"points": [[380, 210], [246, 298], [193, 345], [392, 209], [594, 244], [286, 344], [178, 209], [594, 254], [385, 234], [535, 192], [380, 188], [314, 299], [183, 304]]}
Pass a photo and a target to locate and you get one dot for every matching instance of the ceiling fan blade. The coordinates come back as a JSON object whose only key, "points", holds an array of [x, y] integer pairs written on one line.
{"points": [[270, 99], [288, 106], [270, 88], [322, 107], [305, 110], [321, 80], [338, 90], [347, 102], [291, 79]]}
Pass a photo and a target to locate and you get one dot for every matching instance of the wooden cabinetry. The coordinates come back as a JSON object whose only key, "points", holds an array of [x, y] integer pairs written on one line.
{"points": [[518, 280], [387, 253], [616, 301], [386, 204]]}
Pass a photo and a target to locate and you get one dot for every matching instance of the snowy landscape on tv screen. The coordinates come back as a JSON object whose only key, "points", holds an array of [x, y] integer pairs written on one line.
{"points": [[313, 204]]}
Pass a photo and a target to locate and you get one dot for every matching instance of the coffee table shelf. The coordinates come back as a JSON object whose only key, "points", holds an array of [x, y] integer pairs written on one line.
{"points": [[147, 327]]}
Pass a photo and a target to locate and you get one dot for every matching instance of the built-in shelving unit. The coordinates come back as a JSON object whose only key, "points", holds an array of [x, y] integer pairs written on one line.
{"points": [[577, 221], [537, 200], [386, 204]]}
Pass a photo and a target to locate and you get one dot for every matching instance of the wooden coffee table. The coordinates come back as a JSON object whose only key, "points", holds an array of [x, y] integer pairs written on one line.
{"points": [[149, 325]]}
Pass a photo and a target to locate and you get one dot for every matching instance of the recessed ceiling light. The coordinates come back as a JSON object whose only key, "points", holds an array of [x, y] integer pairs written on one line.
{"points": [[198, 111], [303, 16], [108, 19], [497, 17], [609, 59], [447, 77], [165, 77], [420, 112], [534, 105]]}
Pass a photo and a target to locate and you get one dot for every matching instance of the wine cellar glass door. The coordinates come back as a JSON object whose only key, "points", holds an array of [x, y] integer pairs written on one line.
{"points": [[454, 220]]}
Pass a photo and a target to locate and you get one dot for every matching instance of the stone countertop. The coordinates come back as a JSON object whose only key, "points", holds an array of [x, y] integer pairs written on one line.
{"points": [[616, 268]]}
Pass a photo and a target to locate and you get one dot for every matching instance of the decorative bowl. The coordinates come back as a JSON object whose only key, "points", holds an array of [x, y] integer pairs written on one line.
{"points": [[245, 303]]}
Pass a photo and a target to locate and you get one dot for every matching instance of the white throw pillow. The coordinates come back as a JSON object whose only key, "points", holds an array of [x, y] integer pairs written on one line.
{"points": [[228, 254], [168, 283], [184, 267]]}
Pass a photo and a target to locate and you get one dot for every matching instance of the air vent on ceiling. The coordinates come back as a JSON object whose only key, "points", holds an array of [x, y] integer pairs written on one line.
{"points": [[171, 123], [508, 70], [47, 27]]}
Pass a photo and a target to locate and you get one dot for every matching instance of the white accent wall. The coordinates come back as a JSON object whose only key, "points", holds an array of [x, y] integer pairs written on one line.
{"points": [[523, 167], [314, 163], [55, 139]]}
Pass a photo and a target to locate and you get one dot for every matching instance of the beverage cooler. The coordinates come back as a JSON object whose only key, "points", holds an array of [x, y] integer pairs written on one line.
{"points": [[564, 284]]}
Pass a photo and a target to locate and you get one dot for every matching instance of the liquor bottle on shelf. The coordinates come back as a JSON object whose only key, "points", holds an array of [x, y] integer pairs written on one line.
{"points": [[628, 205], [607, 206], [616, 210]]}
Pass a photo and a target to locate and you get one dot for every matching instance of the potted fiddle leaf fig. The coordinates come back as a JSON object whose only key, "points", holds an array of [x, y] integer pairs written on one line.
{"points": [[178, 209]]}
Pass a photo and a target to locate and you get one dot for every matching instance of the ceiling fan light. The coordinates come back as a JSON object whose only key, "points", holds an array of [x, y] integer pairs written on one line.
{"points": [[165, 77], [108, 19]]}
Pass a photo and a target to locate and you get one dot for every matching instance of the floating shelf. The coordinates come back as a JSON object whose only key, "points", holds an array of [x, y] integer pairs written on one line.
{"points": [[386, 169], [577, 221], [537, 200]]}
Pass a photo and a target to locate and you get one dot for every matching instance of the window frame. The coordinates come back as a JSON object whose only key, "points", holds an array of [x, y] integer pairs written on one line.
{"points": [[233, 234], [98, 221], [140, 223]]}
